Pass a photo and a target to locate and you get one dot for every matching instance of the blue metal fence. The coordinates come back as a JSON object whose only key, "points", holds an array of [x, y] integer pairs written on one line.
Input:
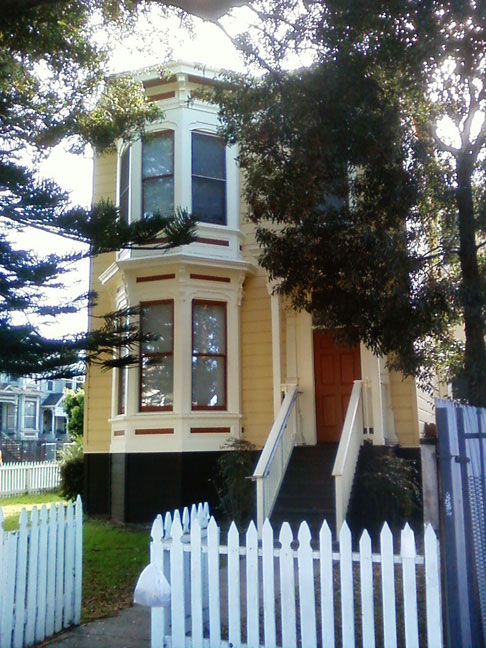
{"points": [[462, 461]]}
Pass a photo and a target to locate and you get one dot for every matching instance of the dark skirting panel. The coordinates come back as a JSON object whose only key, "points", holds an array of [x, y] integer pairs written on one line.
{"points": [[135, 487], [97, 484], [156, 483]]}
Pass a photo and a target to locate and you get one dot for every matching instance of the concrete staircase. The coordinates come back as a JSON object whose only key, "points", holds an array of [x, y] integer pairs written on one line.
{"points": [[307, 492]]}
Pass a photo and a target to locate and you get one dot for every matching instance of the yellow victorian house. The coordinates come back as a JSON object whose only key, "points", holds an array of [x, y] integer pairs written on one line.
{"points": [[233, 360]]}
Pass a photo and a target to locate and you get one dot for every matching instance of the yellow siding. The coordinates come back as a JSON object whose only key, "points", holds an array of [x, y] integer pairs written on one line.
{"points": [[404, 404], [256, 360], [425, 407], [98, 382]]}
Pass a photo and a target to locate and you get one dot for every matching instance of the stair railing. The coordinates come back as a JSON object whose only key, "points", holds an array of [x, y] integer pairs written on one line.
{"points": [[348, 452], [275, 456]]}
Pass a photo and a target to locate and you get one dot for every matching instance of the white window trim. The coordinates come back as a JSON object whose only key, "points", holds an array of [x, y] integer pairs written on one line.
{"points": [[181, 121], [183, 290]]}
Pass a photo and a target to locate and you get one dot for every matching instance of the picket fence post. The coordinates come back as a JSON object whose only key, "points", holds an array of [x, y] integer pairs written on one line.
{"points": [[293, 558], [28, 477], [38, 564]]}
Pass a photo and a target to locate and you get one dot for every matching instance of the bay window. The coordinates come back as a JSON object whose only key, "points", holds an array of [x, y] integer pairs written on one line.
{"points": [[158, 174], [209, 178], [208, 355], [157, 356]]}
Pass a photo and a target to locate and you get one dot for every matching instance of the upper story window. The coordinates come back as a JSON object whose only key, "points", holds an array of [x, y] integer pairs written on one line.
{"points": [[179, 167], [157, 356], [209, 178], [208, 355], [158, 174]]}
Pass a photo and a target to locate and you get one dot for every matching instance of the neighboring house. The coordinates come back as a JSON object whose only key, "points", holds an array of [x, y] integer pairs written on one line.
{"points": [[33, 409], [225, 344]]}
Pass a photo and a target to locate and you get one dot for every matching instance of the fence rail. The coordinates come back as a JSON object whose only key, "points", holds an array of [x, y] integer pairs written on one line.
{"points": [[267, 594], [32, 477], [275, 456], [348, 452], [41, 574]]}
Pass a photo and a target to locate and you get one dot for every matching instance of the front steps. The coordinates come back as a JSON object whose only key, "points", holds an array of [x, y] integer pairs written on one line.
{"points": [[307, 492]]}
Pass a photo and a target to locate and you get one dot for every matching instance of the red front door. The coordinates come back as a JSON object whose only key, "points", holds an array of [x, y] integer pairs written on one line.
{"points": [[335, 369]]}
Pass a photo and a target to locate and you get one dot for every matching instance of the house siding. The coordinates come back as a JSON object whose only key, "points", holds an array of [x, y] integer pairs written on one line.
{"points": [[425, 408], [98, 382], [256, 360], [404, 404]]}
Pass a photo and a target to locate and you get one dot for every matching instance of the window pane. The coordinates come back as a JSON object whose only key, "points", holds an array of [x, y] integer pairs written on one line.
{"points": [[157, 381], [122, 390], [29, 414], [209, 200], [124, 185], [158, 155], [208, 328], [208, 156], [158, 196], [157, 320], [208, 381]]}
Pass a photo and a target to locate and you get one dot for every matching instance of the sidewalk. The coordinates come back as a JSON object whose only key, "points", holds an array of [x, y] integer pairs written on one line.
{"points": [[130, 628]]}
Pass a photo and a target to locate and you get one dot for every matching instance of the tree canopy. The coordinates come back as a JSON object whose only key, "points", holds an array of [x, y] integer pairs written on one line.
{"points": [[52, 88], [366, 171], [74, 408]]}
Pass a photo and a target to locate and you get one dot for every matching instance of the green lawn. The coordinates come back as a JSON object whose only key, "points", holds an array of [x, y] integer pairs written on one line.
{"points": [[12, 506], [113, 557]]}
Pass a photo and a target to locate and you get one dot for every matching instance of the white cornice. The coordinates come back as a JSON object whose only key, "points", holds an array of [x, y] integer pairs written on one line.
{"points": [[144, 263], [109, 273]]}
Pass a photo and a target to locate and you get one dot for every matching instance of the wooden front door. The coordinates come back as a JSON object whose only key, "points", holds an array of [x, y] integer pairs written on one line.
{"points": [[335, 369]]}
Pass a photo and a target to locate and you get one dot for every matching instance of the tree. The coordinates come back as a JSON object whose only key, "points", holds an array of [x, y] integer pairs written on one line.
{"points": [[370, 212], [53, 87], [74, 408]]}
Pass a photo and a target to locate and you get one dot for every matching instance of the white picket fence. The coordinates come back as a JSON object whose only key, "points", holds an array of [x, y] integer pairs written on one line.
{"points": [[285, 592], [28, 477], [41, 574]]}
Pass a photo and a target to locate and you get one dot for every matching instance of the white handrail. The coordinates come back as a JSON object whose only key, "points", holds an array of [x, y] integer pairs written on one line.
{"points": [[348, 452], [274, 458]]}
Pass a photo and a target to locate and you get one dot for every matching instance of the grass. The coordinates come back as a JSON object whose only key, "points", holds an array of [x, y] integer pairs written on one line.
{"points": [[113, 560], [12, 506], [113, 557]]}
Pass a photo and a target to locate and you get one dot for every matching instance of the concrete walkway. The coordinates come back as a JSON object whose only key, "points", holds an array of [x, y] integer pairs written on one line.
{"points": [[130, 628]]}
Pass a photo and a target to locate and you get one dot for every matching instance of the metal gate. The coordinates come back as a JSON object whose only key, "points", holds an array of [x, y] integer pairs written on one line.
{"points": [[462, 461]]}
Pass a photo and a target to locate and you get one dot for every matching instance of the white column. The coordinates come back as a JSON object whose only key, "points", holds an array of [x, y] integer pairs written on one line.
{"points": [[370, 372]]}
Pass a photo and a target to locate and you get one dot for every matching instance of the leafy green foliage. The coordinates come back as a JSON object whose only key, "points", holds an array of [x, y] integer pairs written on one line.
{"points": [[54, 87], [235, 490], [74, 408], [71, 463], [387, 489], [370, 213]]}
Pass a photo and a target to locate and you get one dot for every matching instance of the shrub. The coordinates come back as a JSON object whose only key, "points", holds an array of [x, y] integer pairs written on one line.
{"points": [[71, 462], [74, 408], [235, 491], [387, 489]]}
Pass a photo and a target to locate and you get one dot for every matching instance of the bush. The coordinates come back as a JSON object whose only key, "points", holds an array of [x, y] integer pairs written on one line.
{"points": [[387, 489], [235, 491], [71, 462], [74, 408]]}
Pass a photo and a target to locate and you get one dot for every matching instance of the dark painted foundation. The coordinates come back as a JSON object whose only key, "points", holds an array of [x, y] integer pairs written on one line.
{"points": [[135, 487]]}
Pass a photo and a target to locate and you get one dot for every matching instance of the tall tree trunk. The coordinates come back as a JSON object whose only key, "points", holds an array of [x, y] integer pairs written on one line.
{"points": [[471, 293]]}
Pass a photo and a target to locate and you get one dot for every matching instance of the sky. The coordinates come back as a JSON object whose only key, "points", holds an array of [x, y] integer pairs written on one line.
{"points": [[156, 41]]}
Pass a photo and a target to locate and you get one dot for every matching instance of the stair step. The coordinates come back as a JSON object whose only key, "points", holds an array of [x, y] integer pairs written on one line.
{"points": [[307, 493]]}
